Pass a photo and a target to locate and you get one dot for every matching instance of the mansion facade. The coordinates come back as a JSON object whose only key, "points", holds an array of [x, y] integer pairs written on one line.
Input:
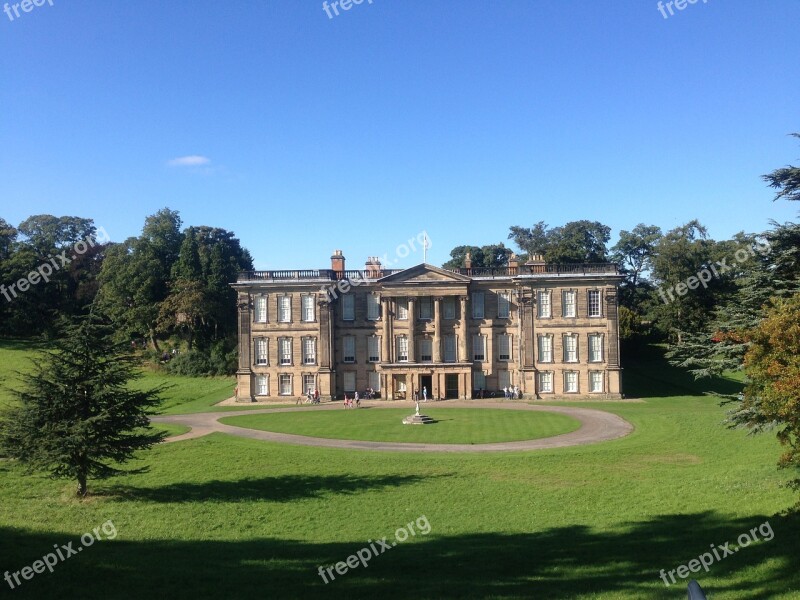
{"points": [[550, 330]]}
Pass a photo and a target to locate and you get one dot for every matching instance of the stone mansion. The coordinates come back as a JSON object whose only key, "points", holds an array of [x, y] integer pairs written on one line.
{"points": [[551, 330]]}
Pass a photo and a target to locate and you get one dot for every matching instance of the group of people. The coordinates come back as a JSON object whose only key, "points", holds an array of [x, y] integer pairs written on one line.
{"points": [[354, 402], [511, 392], [311, 397], [424, 394]]}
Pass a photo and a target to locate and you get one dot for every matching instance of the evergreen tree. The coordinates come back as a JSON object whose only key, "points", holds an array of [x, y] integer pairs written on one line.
{"points": [[76, 416]]}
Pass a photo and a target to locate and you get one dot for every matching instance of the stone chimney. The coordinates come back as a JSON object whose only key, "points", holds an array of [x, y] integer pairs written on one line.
{"points": [[373, 267], [337, 263], [536, 263], [468, 261], [513, 262]]}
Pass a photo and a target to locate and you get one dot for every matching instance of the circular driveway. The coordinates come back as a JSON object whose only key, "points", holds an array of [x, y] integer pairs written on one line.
{"points": [[596, 426]]}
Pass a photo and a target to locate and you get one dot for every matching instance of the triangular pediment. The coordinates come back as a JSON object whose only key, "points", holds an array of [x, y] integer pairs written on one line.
{"points": [[424, 273]]}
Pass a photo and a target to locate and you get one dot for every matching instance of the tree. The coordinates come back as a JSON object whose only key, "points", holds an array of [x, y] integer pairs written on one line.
{"points": [[576, 242], [786, 180], [771, 397], [489, 256], [77, 418], [533, 240]]}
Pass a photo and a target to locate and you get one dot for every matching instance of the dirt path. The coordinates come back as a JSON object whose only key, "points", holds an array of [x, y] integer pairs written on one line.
{"points": [[596, 426]]}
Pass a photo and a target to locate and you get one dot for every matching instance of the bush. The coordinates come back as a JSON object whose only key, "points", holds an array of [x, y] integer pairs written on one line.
{"points": [[219, 359]]}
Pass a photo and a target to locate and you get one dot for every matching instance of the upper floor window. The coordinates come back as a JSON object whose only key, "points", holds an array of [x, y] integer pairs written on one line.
{"points": [[402, 349], [285, 350], [425, 350], [262, 347], [348, 307], [349, 349], [543, 304], [261, 309], [477, 305], [594, 303], [309, 351], [449, 348], [402, 309], [373, 307], [284, 309], [570, 348], [503, 305], [545, 348], [426, 307], [504, 347], [570, 303], [478, 347], [308, 308], [374, 349], [449, 308], [595, 347]]}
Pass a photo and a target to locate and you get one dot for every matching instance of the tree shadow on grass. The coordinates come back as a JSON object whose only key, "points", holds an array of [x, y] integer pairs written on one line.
{"points": [[282, 488], [558, 563], [648, 374]]}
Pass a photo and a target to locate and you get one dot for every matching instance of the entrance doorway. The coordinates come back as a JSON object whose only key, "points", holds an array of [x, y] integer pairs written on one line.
{"points": [[451, 385], [425, 381], [399, 386]]}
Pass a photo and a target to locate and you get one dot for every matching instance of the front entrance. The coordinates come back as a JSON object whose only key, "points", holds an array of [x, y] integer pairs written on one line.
{"points": [[451, 385], [399, 387], [425, 381]]}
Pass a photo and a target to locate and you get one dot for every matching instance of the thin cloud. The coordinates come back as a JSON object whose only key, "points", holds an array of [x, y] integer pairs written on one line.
{"points": [[193, 160]]}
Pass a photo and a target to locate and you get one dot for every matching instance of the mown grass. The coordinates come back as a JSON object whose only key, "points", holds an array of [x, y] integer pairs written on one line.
{"points": [[451, 426], [224, 517]]}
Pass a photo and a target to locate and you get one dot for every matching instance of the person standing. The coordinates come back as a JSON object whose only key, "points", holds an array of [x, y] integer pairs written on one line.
{"points": [[424, 393], [357, 399]]}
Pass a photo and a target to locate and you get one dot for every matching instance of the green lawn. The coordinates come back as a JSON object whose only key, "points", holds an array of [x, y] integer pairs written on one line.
{"points": [[452, 426], [228, 517]]}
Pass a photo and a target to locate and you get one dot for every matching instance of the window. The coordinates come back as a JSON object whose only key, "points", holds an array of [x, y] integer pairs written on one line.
{"points": [[262, 385], [402, 349], [285, 348], [374, 349], [349, 307], [546, 382], [349, 349], [595, 347], [503, 305], [503, 379], [449, 348], [426, 350], [478, 347], [596, 381], [262, 347], [285, 385], [478, 380], [570, 348], [309, 351], [569, 303], [543, 304], [261, 309], [503, 347], [374, 380], [571, 382], [450, 308], [308, 308], [477, 305], [309, 385], [402, 309], [284, 309], [349, 381], [545, 348], [594, 303], [373, 307], [426, 307]]}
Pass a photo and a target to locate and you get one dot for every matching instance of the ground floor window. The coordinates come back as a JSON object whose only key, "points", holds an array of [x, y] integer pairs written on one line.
{"points": [[545, 382], [571, 382], [375, 381], [285, 385], [349, 381], [262, 385], [503, 379], [478, 380], [596, 381], [309, 384]]}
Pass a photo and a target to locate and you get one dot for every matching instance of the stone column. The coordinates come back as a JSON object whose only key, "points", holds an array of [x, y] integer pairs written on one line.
{"points": [[613, 329], [325, 335], [437, 330], [385, 342], [412, 320], [462, 337], [244, 375]]}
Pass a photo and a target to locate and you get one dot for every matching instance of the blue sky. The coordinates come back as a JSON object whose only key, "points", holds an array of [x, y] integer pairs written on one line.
{"points": [[358, 132]]}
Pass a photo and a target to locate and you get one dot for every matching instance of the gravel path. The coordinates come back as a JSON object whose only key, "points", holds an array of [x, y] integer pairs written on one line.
{"points": [[596, 426]]}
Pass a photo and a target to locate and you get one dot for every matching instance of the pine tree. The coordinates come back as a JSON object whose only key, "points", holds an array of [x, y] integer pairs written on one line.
{"points": [[76, 416]]}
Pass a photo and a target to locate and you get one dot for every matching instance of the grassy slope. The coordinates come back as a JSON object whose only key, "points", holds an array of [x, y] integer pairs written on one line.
{"points": [[229, 517], [452, 426]]}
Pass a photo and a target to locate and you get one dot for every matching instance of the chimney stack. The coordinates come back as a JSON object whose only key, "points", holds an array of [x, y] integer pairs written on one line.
{"points": [[536, 263], [373, 267], [337, 263], [513, 262]]}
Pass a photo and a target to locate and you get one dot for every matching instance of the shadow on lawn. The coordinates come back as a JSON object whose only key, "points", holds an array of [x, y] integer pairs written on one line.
{"points": [[648, 374], [275, 489], [558, 563]]}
